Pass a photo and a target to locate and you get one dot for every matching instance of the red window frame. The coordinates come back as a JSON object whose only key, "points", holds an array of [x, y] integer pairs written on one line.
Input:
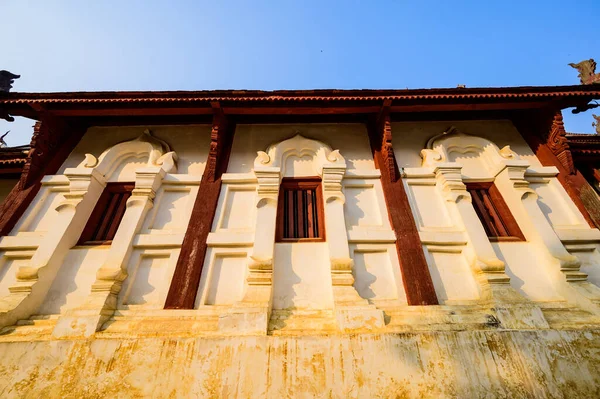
{"points": [[495, 216], [300, 216], [104, 221]]}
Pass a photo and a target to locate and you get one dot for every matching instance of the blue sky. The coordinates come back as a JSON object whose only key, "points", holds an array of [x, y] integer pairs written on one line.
{"points": [[280, 44]]}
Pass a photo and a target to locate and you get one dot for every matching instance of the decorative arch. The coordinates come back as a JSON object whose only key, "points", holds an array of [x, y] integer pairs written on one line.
{"points": [[158, 154], [299, 146], [445, 147]]}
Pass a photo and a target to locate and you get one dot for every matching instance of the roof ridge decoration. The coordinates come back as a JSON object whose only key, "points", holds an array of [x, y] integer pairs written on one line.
{"points": [[6, 80], [597, 123], [587, 72], [2, 142]]}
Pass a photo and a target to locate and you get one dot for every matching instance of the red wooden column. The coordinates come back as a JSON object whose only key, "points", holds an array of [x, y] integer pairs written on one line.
{"points": [[545, 134], [415, 273], [184, 286], [52, 142]]}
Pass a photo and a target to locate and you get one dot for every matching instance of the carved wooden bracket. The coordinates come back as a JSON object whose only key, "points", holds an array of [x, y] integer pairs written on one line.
{"points": [[218, 140], [386, 146], [557, 142]]}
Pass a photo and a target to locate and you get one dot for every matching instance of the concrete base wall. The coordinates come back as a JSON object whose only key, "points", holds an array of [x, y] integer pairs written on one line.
{"points": [[469, 364]]}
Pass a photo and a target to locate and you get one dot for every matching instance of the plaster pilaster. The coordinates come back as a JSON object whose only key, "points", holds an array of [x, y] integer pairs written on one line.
{"points": [[35, 279]]}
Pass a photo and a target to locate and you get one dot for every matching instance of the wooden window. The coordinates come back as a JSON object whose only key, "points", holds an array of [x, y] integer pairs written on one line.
{"points": [[300, 210], [106, 216], [498, 222]]}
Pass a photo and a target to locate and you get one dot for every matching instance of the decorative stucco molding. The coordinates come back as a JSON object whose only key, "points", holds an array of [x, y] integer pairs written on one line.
{"points": [[158, 151], [299, 146], [441, 148]]}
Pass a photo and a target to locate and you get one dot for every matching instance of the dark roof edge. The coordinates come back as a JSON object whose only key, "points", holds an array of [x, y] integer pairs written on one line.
{"points": [[319, 94]]}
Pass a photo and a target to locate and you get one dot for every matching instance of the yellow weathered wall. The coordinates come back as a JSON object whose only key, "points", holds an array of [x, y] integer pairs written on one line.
{"points": [[468, 364]]}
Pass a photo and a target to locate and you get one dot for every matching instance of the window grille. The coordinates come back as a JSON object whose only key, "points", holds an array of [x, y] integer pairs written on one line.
{"points": [[498, 222], [107, 214], [300, 210]]}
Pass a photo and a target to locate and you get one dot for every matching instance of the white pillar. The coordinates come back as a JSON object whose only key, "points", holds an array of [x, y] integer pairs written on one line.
{"points": [[258, 295], [352, 311], [337, 237], [259, 291]]}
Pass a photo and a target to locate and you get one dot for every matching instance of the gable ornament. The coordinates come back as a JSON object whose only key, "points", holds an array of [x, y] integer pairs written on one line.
{"points": [[587, 72]]}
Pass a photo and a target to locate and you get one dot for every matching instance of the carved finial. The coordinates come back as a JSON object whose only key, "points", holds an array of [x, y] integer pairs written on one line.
{"points": [[430, 157], [2, 142], [587, 71], [262, 158], [597, 123], [452, 130], [334, 156], [6, 80], [90, 161], [507, 153]]}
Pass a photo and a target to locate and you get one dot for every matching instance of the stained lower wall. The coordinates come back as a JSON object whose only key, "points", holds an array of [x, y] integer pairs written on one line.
{"points": [[469, 364]]}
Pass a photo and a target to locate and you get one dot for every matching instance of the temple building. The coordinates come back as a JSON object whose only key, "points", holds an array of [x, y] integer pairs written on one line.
{"points": [[325, 243]]}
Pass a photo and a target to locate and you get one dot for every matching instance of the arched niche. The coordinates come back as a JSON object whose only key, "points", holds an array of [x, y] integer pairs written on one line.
{"points": [[299, 156], [141, 152], [479, 157]]}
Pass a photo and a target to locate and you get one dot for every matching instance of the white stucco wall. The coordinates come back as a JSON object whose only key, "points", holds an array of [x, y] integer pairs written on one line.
{"points": [[273, 319], [303, 275]]}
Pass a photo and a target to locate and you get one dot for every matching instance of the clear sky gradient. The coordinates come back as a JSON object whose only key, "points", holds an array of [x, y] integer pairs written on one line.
{"points": [[279, 44]]}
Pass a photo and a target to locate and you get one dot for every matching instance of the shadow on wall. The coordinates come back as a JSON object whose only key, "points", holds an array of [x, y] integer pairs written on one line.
{"points": [[515, 281], [352, 209], [546, 210], [363, 280], [283, 294], [74, 279], [440, 289], [284, 278], [141, 286]]}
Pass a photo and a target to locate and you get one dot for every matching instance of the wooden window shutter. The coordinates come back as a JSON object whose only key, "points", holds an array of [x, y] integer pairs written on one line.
{"points": [[300, 210], [106, 216], [497, 220]]}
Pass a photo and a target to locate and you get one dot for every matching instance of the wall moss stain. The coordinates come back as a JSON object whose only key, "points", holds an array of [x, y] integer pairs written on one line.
{"points": [[445, 364]]}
